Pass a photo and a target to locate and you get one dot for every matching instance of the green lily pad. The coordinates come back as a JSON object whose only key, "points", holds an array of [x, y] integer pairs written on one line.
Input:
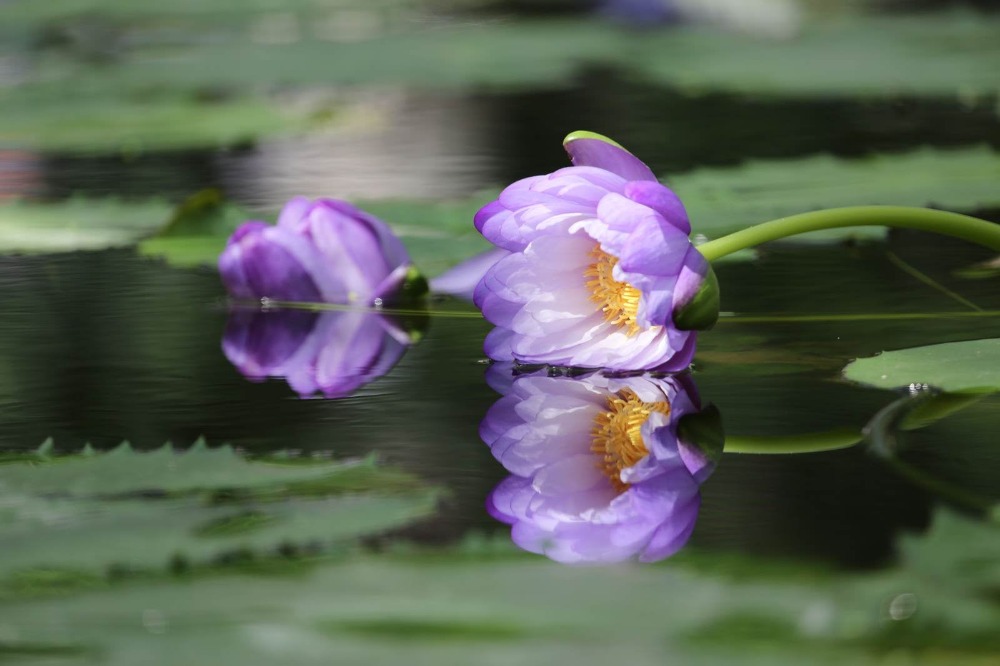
{"points": [[78, 224], [720, 201], [972, 366], [95, 535], [449, 609], [165, 76], [439, 234], [932, 54], [35, 119], [91, 511], [124, 470]]}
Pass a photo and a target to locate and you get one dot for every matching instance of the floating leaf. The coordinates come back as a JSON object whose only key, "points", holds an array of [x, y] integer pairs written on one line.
{"points": [[77, 224], [962, 549], [719, 201], [437, 235], [204, 213], [450, 609], [94, 535], [722, 200], [972, 366], [200, 83], [930, 54], [142, 509], [165, 470]]}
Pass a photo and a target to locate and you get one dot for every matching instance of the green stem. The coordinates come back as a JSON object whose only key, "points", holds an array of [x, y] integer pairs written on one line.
{"points": [[842, 438], [923, 219]]}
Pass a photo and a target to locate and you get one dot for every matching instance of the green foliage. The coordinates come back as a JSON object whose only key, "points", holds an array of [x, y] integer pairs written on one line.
{"points": [[972, 366], [107, 120], [124, 471], [77, 224], [437, 235], [197, 231], [440, 234], [204, 213], [218, 73], [720, 201], [426, 611], [185, 251], [129, 509]]}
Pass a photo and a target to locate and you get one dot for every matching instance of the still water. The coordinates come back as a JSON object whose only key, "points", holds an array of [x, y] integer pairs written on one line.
{"points": [[103, 347]]}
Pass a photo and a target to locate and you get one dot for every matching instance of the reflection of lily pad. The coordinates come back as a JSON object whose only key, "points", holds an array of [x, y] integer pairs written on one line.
{"points": [[972, 366]]}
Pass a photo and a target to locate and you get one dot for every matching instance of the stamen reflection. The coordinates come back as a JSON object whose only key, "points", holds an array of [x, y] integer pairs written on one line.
{"points": [[332, 353], [603, 468]]}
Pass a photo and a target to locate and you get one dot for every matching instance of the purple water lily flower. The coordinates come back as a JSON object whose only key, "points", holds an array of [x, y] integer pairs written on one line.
{"points": [[600, 472], [600, 265], [332, 353], [320, 251]]}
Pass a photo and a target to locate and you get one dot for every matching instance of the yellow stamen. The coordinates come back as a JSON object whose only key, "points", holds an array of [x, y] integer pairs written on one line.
{"points": [[617, 434], [618, 300]]}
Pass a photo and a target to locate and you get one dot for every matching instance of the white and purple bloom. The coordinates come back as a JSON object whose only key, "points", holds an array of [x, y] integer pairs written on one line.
{"points": [[602, 469], [600, 267], [319, 251], [331, 353]]}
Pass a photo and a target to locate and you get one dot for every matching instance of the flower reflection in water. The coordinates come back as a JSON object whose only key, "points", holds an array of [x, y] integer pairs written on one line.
{"points": [[603, 468], [332, 353]]}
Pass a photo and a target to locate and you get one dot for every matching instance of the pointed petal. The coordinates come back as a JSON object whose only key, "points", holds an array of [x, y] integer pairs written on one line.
{"points": [[590, 149]]}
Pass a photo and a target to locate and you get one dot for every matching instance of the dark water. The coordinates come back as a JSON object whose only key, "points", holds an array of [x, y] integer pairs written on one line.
{"points": [[103, 347]]}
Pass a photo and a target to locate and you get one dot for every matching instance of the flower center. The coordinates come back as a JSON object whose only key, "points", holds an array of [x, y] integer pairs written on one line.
{"points": [[617, 434], [618, 300]]}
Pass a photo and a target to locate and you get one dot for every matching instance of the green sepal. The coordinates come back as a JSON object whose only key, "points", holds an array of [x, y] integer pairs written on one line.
{"points": [[702, 311], [703, 430], [413, 289]]}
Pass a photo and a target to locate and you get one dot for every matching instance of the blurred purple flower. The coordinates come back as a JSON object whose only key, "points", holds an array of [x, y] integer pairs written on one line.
{"points": [[320, 251], [600, 472], [600, 265], [333, 353], [640, 13]]}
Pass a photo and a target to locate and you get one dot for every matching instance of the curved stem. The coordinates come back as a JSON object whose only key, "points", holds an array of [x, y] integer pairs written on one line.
{"points": [[841, 438], [923, 219]]}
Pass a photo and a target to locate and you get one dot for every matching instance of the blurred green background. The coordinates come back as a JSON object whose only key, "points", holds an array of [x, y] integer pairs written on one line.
{"points": [[135, 136]]}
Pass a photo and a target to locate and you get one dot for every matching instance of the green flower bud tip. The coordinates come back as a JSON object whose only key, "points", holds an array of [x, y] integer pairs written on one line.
{"points": [[703, 431], [702, 311], [414, 287]]}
